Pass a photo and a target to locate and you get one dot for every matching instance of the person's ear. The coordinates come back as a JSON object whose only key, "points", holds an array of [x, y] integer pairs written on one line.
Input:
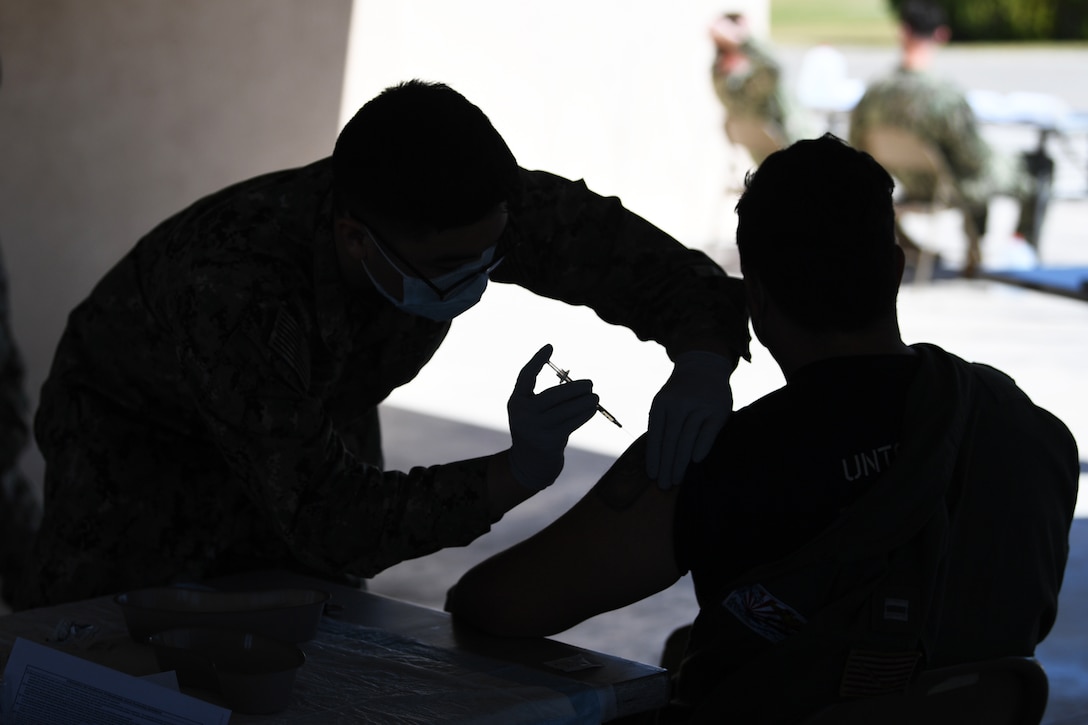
{"points": [[900, 264]]}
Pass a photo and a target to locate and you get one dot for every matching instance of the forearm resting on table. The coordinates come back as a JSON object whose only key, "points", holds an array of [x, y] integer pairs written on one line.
{"points": [[613, 548]]}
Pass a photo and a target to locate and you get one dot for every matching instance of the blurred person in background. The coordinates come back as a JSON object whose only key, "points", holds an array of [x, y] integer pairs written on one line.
{"points": [[912, 97], [748, 82]]}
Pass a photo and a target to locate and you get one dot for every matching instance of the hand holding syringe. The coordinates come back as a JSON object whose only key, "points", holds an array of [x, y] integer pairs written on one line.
{"points": [[564, 376]]}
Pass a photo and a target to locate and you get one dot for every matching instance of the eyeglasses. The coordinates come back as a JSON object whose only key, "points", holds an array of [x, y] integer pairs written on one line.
{"points": [[442, 292]]}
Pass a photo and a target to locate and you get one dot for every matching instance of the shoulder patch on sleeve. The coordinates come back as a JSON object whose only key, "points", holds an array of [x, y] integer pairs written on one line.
{"points": [[763, 613]]}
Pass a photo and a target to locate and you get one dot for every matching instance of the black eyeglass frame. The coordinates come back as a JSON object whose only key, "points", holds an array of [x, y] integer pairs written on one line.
{"points": [[485, 269]]}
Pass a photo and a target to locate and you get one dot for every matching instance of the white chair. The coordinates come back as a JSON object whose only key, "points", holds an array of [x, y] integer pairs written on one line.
{"points": [[823, 83]]}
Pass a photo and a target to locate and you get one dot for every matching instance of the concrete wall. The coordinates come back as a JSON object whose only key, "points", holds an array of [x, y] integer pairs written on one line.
{"points": [[116, 113]]}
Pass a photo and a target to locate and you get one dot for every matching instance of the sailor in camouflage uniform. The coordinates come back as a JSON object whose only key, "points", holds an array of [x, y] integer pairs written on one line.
{"points": [[748, 81], [937, 110], [212, 405]]}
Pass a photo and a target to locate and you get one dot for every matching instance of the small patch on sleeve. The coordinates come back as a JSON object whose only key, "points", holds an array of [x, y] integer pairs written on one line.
{"points": [[763, 613]]}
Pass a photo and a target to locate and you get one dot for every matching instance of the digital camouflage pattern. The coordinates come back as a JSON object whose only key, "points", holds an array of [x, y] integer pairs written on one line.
{"points": [[757, 91], [754, 91], [212, 404], [937, 110]]}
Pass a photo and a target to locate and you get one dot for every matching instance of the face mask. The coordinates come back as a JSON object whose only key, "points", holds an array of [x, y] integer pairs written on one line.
{"points": [[420, 299]]}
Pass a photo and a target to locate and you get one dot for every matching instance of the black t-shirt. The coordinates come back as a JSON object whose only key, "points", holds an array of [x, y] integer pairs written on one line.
{"points": [[785, 466]]}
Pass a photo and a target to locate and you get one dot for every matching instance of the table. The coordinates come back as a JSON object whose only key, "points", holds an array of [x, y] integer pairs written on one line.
{"points": [[378, 659]]}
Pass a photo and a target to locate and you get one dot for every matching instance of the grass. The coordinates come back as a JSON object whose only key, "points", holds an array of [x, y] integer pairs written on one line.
{"points": [[837, 22], [854, 22]]}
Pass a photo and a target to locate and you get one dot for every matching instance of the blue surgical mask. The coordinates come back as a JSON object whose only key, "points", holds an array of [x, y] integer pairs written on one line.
{"points": [[420, 299]]}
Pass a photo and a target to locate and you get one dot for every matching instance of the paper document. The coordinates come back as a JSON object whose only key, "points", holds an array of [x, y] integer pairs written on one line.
{"points": [[44, 685]]}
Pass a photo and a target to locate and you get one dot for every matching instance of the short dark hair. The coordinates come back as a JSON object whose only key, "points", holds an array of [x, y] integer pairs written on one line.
{"points": [[816, 226], [420, 153], [922, 17]]}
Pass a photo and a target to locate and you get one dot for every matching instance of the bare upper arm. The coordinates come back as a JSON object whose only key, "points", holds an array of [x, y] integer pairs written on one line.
{"points": [[613, 548]]}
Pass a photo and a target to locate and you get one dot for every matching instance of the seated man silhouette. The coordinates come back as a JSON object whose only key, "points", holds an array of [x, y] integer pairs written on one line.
{"points": [[912, 97], [891, 508]]}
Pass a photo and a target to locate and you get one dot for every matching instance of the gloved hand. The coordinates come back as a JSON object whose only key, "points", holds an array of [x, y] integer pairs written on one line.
{"points": [[540, 423], [687, 414]]}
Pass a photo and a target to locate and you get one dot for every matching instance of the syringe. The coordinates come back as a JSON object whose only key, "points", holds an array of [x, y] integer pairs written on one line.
{"points": [[564, 376]]}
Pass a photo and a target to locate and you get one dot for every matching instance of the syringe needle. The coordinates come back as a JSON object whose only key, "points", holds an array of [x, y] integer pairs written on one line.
{"points": [[564, 377], [608, 415]]}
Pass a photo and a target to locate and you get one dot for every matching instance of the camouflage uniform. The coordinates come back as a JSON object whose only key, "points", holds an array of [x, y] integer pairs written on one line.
{"points": [[20, 509], [212, 405], [758, 92], [938, 111]]}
